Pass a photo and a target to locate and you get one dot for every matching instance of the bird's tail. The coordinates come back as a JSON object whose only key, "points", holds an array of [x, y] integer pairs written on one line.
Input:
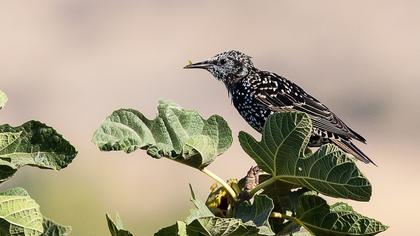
{"points": [[349, 147]]}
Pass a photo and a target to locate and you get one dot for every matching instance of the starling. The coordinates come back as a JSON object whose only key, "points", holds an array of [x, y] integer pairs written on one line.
{"points": [[256, 94]]}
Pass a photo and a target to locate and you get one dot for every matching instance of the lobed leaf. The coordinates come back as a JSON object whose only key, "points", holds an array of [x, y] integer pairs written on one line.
{"points": [[282, 153], [315, 215], [257, 212], [34, 144], [280, 192], [175, 133], [19, 214]]}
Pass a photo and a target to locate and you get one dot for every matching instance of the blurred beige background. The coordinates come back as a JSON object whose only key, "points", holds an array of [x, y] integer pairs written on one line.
{"points": [[70, 63]]}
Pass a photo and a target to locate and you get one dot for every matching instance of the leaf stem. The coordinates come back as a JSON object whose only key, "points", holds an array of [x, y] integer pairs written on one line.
{"points": [[221, 182], [276, 215], [262, 186]]}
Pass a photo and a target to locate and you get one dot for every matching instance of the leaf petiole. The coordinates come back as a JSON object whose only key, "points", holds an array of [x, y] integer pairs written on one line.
{"points": [[225, 185], [277, 215], [262, 186]]}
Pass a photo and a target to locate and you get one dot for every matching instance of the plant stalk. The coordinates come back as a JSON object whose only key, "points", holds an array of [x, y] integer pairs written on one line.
{"points": [[221, 182], [276, 215], [262, 186]]}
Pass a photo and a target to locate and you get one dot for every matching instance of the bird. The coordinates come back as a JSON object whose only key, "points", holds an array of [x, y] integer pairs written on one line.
{"points": [[257, 94]]}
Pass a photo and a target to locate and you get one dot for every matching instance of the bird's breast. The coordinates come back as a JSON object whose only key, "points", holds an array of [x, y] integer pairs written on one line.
{"points": [[249, 107]]}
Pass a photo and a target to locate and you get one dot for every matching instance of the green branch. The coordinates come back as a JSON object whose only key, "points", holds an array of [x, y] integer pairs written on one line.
{"points": [[277, 215], [262, 186]]}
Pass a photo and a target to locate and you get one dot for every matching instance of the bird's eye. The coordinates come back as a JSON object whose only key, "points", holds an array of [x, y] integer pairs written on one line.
{"points": [[222, 61]]}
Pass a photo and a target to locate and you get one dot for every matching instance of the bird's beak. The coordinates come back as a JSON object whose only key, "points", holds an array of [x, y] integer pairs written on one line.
{"points": [[200, 65]]}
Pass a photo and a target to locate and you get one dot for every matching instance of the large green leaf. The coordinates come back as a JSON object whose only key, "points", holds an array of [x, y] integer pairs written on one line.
{"points": [[3, 99], [34, 144], [258, 211], [19, 214], [280, 192], [282, 153], [176, 133], [315, 215], [50, 228], [54, 229], [116, 227]]}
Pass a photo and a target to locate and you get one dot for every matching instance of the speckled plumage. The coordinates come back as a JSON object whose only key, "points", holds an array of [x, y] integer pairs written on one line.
{"points": [[256, 94]]}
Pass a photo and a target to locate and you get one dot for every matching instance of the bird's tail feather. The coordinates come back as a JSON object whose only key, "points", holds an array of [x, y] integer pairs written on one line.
{"points": [[349, 147]]}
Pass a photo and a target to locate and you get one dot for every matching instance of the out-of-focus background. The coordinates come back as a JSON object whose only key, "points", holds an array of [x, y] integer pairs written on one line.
{"points": [[70, 63]]}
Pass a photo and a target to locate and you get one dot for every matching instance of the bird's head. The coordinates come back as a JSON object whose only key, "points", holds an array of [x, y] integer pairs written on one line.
{"points": [[227, 67]]}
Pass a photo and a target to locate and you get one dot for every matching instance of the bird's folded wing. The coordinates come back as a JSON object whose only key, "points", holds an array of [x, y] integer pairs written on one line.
{"points": [[321, 116]]}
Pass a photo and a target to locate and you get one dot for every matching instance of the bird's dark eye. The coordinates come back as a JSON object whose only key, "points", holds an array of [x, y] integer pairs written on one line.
{"points": [[222, 61]]}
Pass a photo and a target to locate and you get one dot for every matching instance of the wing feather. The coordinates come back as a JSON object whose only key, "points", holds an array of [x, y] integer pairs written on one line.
{"points": [[290, 97]]}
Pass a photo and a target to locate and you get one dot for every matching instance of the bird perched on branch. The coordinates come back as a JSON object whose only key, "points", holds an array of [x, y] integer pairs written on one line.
{"points": [[256, 94]]}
